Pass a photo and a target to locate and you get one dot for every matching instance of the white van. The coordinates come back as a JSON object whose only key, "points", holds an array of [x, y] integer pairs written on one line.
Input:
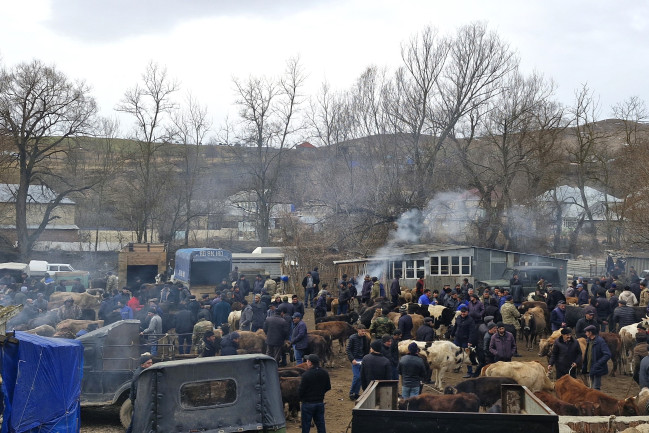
{"points": [[40, 267]]}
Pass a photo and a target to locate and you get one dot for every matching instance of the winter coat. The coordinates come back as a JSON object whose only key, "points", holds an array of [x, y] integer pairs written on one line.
{"points": [[228, 346], [602, 308], [366, 291], [628, 297], [581, 325], [375, 366], [583, 298], [557, 318], [220, 313], [299, 336], [395, 291], [376, 290], [502, 347], [624, 315], [357, 347], [464, 331], [184, 322], [258, 315], [405, 326], [476, 311], [412, 370], [245, 322], [600, 355], [276, 330], [564, 354], [425, 333], [510, 315]]}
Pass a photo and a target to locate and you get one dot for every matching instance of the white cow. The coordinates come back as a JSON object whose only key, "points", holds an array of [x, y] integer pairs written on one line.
{"points": [[233, 320], [627, 335], [441, 356], [531, 374]]}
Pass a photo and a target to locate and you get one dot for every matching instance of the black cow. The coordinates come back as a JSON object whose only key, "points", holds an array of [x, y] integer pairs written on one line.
{"points": [[486, 388], [350, 318], [573, 314], [461, 402], [290, 388]]}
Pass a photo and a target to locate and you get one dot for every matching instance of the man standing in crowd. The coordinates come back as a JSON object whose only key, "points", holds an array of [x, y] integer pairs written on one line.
{"points": [[558, 316], [375, 366], [309, 289], [382, 325], [596, 357], [357, 348], [395, 289], [426, 332], [210, 348], [503, 345], [276, 329], [566, 355], [299, 337], [463, 334], [154, 330], [314, 385], [405, 323], [412, 370]]}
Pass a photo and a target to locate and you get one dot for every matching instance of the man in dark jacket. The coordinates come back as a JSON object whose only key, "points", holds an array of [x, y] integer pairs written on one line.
{"points": [[566, 355], [230, 344], [184, 329], [582, 296], [558, 316], [554, 296], [596, 357], [276, 330], [366, 291], [503, 344], [405, 323], [357, 348], [244, 286], [220, 312], [258, 313], [343, 299], [586, 321], [314, 385], [623, 315], [463, 334], [375, 366], [299, 337], [298, 307], [413, 372], [395, 290], [426, 332], [391, 355], [210, 344], [603, 309]]}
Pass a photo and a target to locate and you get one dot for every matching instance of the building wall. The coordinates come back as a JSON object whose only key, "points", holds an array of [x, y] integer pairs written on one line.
{"points": [[35, 212]]}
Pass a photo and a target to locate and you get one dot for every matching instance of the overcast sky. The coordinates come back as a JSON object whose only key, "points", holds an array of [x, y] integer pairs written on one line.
{"points": [[204, 43]]}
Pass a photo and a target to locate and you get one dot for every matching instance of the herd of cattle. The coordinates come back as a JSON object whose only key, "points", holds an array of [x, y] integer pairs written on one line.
{"points": [[571, 397]]}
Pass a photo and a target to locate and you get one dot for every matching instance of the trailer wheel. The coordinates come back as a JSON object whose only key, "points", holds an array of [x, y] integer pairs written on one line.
{"points": [[126, 413]]}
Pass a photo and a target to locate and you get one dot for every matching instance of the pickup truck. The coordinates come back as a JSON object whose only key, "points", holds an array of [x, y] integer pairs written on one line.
{"points": [[528, 277]]}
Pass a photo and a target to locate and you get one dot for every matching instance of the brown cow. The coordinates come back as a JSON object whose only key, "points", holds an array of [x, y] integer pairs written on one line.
{"points": [[324, 334], [340, 331], [561, 407], [574, 391], [532, 326], [290, 388], [545, 344], [252, 342], [290, 371], [318, 346], [74, 326], [461, 402]]}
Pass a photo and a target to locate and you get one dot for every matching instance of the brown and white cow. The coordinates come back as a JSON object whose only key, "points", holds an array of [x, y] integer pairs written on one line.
{"points": [[442, 356]]}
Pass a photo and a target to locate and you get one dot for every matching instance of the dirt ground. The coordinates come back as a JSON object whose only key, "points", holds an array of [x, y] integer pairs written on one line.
{"points": [[338, 412]]}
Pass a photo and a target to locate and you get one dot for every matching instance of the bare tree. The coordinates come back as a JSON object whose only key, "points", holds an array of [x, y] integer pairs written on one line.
{"points": [[268, 123], [41, 113], [190, 127], [150, 103]]}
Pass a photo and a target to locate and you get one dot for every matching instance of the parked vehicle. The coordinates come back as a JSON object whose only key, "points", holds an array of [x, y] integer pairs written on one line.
{"points": [[202, 269], [39, 268], [528, 277]]}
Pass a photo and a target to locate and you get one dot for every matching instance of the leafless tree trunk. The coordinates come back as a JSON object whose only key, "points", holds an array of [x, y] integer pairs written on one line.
{"points": [[41, 113], [150, 103]]}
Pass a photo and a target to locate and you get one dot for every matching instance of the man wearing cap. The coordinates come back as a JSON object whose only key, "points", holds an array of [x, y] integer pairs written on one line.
{"points": [[426, 332], [510, 314], [405, 323], [451, 300], [464, 334], [230, 344], [366, 291], [558, 316], [492, 328], [412, 370], [602, 310], [391, 355], [566, 355], [145, 361], [582, 295], [357, 348], [374, 365], [210, 346], [258, 313], [587, 320], [69, 310], [596, 357], [344, 297], [502, 345], [299, 337], [154, 330], [314, 385], [476, 308], [623, 315]]}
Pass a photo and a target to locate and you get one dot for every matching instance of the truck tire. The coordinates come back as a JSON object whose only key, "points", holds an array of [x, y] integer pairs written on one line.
{"points": [[126, 413]]}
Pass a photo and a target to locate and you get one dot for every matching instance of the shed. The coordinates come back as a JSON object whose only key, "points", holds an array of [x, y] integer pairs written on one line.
{"points": [[442, 264]]}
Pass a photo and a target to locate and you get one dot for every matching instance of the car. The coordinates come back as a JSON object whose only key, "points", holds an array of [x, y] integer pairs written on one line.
{"points": [[528, 276]]}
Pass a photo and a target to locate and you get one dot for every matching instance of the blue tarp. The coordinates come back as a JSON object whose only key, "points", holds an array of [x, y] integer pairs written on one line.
{"points": [[41, 384]]}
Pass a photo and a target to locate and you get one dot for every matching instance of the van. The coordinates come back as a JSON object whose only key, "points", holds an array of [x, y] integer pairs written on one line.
{"points": [[39, 268]]}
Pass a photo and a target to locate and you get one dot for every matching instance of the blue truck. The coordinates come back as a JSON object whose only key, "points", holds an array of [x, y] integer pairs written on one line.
{"points": [[202, 269]]}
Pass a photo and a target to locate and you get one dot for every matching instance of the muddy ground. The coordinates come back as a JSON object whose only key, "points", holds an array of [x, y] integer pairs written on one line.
{"points": [[338, 406]]}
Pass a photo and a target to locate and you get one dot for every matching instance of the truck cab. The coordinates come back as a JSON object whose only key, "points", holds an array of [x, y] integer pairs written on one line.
{"points": [[528, 277]]}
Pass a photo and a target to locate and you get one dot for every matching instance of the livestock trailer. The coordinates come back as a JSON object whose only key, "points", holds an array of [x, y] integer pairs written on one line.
{"points": [[202, 269], [376, 411], [143, 261]]}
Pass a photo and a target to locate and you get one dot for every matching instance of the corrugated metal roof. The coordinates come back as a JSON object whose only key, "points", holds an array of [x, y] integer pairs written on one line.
{"points": [[35, 194]]}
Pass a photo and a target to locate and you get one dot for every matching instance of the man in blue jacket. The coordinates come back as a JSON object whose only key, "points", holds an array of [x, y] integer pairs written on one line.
{"points": [[596, 357], [299, 337]]}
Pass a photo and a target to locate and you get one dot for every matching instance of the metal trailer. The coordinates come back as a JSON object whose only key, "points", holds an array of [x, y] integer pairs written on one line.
{"points": [[202, 269], [376, 412]]}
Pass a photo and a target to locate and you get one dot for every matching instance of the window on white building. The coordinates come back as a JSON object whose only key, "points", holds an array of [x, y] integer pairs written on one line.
{"points": [[450, 265]]}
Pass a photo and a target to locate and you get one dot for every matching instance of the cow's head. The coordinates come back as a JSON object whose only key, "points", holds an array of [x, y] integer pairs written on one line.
{"points": [[527, 322], [586, 408], [628, 407], [450, 390], [544, 347]]}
